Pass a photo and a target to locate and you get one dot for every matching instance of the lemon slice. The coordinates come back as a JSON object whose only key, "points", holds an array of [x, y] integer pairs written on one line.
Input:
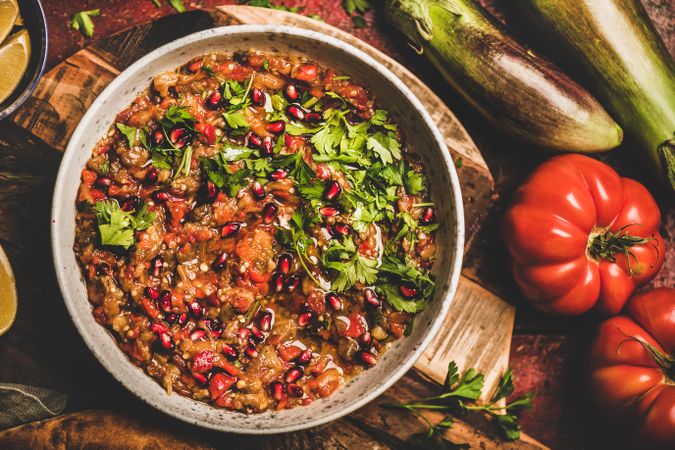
{"points": [[9, 11], [7, 294], [14, 55]]}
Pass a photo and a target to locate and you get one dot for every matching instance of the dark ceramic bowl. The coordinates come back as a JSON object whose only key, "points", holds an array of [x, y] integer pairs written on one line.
{"points": [[34, 21]]}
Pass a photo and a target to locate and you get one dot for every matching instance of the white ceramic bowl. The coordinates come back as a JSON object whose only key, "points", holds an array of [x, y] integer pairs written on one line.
{"points": [[422, 136]]}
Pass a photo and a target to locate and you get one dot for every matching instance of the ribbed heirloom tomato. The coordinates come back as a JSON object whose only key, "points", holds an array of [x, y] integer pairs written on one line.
{"points": [[633, 371], [582, 237]]}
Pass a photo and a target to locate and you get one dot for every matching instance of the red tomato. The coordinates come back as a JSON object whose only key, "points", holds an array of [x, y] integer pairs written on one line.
{"points": [[582, 237], [632, 367], [219, 384]]}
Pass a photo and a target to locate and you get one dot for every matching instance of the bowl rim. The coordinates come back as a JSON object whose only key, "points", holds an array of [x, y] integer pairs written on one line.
{"points": [[59, 255], [42, 63]]}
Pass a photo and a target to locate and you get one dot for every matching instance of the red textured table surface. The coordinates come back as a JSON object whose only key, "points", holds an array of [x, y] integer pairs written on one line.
{"points": [[546, 354]]}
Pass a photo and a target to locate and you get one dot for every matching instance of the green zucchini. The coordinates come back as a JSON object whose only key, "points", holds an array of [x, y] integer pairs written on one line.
{"points": [[512, 87], [626, 63]]}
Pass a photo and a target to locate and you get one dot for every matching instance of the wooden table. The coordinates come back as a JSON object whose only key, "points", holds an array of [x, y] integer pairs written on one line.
{"points": [[546, 354]]}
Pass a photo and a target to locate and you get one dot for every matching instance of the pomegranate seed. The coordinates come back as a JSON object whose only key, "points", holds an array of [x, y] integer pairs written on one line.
{"points": [[305, 318], [368, 358], [151, 175], [304, 357], [196, 310], [182, 319], [407, 290], [340, 229], [267, 147], [165, 300], [277, 389], [292, 282], [257, 335], [180, 136], [277, 282], [251, 352], [284, 264], [296, 112], [244, 333], [258, 191], [103, 182], [427, 216], [276, 127], [156, 266], [365, 339], [329, 211], [270, 212], [258, 97], [152, 293], [372, 298], [230, 229], [265, 321], [219, 262], [313, 117], [214, 100], [201, 379], [211, 191], [166, 341], [130, 204], [334, 301], [160, 196], [158, 328], [230, 352], [294, 373], [291, 92], [332, 191], [279, 174], [171, 318], [157, 137], [254, 140], [295, 391], [197, 335]]}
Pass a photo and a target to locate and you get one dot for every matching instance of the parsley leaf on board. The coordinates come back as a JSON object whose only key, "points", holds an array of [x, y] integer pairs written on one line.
{"points": [[460, 393], [177, 5], [82, 22], [360, 6], [117, 227]]}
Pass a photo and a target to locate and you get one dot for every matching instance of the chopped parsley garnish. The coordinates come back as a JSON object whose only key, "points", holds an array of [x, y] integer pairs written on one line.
{"points": [[117, 227], [369, 154], [128, 132], [350, 266], [82, 22]]}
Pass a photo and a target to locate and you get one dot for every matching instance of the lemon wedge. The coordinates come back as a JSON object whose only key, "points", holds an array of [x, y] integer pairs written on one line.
{"points": [[9, 11], [7, 294], [14, 56]]}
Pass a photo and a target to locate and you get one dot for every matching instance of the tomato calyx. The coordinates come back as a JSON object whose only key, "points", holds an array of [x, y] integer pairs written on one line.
{"points": [[605, 244]]}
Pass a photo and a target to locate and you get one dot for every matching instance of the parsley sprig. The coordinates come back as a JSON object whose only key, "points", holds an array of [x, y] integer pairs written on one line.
{"points": [[460, 393], [118, 227], [82, 22]]}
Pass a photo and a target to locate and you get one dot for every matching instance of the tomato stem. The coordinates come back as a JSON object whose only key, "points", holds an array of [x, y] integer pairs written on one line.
{"points": [[607, 244], [665, 361]]}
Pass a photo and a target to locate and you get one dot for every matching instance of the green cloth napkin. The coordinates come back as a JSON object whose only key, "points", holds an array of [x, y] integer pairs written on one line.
{"points": [[21, 404]]}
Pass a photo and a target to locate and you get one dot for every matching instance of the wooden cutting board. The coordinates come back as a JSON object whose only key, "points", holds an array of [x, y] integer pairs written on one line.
{"points": [[477, 331]]}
